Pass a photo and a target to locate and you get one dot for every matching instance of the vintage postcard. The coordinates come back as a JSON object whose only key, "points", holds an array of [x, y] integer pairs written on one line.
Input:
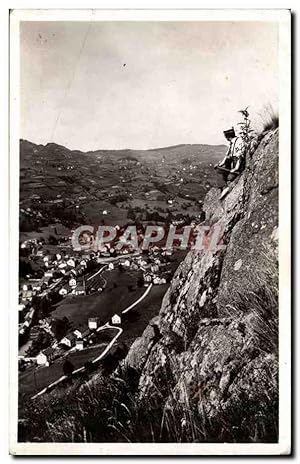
{"points": [[150, 180]]}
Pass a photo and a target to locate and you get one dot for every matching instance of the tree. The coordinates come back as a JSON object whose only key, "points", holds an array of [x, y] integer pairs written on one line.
{"points": [[55, 297], [39, 274], [52, 240], [68, 367], [42, 341], [60, 327], [24, 268], [130, 214], [44, 308], [89, 366], [246, 131]]}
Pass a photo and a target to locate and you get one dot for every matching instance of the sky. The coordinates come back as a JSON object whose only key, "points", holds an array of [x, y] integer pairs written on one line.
{"points": [[115, 85]]}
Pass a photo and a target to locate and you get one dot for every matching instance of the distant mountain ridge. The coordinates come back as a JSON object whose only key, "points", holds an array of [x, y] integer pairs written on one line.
{"points": [[180, 149]]}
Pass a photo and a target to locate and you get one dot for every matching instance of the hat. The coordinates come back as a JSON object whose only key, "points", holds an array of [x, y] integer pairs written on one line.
{"points": [[229, 132]]}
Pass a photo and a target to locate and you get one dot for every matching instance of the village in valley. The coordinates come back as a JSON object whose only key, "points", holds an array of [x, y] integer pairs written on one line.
{"points": [[86, 306], [47, 332]]}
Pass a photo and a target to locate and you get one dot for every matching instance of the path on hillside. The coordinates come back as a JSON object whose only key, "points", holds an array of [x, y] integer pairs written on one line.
{"points": [[138, 301], [96, 273], [107, 325]]}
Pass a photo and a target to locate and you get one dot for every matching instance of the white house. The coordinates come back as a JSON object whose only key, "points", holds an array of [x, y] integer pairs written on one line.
{"points": [[42, 359], [27, 295], [62, 265], [147, 278], [154, 268], [69, 340], [80, 290], [48, 274], [37, 287], [79, 344], [63, 291], [111, 266], [116, 320], [78, 333], [45, 357], [93, 323], [159, 281], [71, 262], [168, 253], [72, 282]]}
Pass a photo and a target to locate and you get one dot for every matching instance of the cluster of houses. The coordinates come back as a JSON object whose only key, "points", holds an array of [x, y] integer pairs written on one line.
{"points": [[65, 274], [75, 340], [30, 212], [154, 279], [151, 270], [57, 270], [24, 326], [54, 270]]}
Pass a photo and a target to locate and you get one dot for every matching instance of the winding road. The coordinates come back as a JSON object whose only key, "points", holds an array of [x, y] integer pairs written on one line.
{"points": [[81, 369], [106, 350]]}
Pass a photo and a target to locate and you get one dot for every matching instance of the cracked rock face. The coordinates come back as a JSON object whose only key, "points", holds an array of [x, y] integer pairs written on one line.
{"points": [[214, 354]]}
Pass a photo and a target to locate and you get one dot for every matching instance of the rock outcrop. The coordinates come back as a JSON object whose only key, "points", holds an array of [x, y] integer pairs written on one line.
{"points": [[208, 363]]}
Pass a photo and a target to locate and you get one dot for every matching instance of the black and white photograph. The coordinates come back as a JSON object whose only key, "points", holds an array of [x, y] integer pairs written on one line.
{"points": [[150, 198]]}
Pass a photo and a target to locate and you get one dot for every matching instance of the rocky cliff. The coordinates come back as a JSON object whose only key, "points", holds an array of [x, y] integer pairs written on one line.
{"points": [[207, 365]]}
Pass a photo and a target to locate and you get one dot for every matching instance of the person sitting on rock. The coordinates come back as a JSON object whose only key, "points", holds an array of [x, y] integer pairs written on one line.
{"points": [[234, 161]]}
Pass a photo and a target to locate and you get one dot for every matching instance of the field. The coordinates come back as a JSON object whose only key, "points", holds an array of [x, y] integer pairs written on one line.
{"points": [[94, 211], [113, 299], [115, 181], [33, 380], [56, 230]]}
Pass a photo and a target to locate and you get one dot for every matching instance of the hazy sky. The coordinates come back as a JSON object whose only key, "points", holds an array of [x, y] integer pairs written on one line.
{"points": [[142, 84]]}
